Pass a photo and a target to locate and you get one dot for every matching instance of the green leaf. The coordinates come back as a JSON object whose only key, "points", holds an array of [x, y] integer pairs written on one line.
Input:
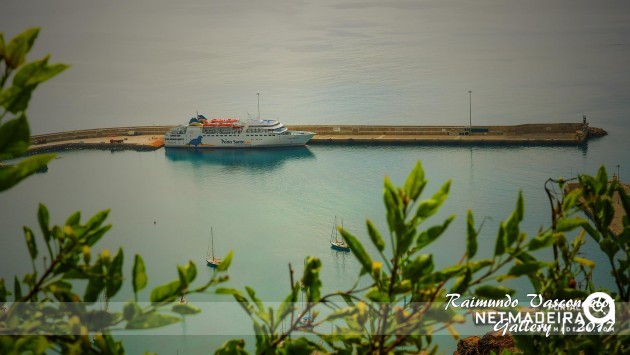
{"points": [[375, 236], [14, 138], [139, 278], [420, 266], [511, 226], [585, 262], [181, 272], [625, 199], [93, 237], [20, 80], [97, 220], [568, 224], [602, 180], [225, 263], [228, 291], [375, 295], [493, 292], [34, 73], [96, 283], [429, 207], [252, 295], [449, 272], [187, 274], [191, 272], [541, 241], [152, 320], [571, 199], [17, 289], [10, 176], [311, 280], [75, 274], [44, 220], [525, 257], [19, 46], [302, 346], [165, 293], [520, 207], [415, 182], [393, 206], [74, 219], [16, 99], [526, 268], [592, 232], [2, 46], [185, 309], [30, 242], [471, 237], [358, 251], [115, 278], [477, 265], [428, 236], [3, 288], [340, 313], [287, 306], [131, 310], [61, 289], [461, 284], [243, 302], [232, 347], [499, 247]]}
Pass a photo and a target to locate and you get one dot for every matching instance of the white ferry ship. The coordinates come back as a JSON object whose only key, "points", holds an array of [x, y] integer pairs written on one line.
{"points": [[232, 133]]}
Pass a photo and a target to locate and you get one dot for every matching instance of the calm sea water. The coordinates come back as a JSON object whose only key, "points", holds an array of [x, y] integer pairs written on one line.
{"points": [[147, 62], [358, 62], [276, 206]]}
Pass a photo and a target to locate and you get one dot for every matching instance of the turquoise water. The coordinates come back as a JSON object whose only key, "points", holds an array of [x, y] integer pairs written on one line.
{"points": [[361, 62], [276, 206]]}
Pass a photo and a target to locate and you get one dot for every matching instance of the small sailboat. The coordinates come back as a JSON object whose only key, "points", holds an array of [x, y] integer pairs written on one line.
{"points": [[212, 261], [336, 242]]}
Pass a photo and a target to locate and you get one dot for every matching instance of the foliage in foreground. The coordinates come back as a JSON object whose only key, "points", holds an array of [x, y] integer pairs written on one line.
{"points": [[393, 313], [396, 311], [46, 312]]}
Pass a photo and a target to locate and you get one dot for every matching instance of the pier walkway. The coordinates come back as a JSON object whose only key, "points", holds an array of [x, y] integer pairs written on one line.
{"points": [[152, 137]]}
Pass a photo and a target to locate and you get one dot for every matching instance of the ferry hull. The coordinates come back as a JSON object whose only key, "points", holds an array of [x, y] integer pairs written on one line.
{"points": [[231, 133], [205, 141]]}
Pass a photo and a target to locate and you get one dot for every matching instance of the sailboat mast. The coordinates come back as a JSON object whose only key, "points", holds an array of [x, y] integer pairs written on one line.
{"points": [[212, 238], [208, 250]]}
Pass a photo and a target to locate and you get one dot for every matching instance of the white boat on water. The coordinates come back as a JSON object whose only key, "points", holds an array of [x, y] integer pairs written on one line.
{"points": [[335, 242], [232, 133], [212, 261]]}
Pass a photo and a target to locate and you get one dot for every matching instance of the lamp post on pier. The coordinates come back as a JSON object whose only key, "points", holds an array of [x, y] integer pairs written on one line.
{"points": [[470, 112]]}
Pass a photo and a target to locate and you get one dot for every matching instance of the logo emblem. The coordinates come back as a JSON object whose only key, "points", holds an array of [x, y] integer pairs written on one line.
{"points": [[603, 307]]}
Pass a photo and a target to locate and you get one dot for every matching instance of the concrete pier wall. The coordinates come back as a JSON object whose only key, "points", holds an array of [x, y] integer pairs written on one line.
{"points": [[526, 134], [97, 133], [544, 128]]}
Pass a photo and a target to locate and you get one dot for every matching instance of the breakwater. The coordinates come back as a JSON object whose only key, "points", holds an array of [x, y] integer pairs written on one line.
{"points": [[526, 134], [151, 137]]}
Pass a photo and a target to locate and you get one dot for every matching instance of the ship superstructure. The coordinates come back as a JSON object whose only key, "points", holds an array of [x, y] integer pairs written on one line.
{"points": [[232, 133]]}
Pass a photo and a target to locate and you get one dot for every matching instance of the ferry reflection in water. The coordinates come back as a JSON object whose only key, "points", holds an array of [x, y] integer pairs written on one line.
{"points": [[254, 159]]}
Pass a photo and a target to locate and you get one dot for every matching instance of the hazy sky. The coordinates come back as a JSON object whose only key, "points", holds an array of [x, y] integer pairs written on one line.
{"points": [[374, 62]]}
